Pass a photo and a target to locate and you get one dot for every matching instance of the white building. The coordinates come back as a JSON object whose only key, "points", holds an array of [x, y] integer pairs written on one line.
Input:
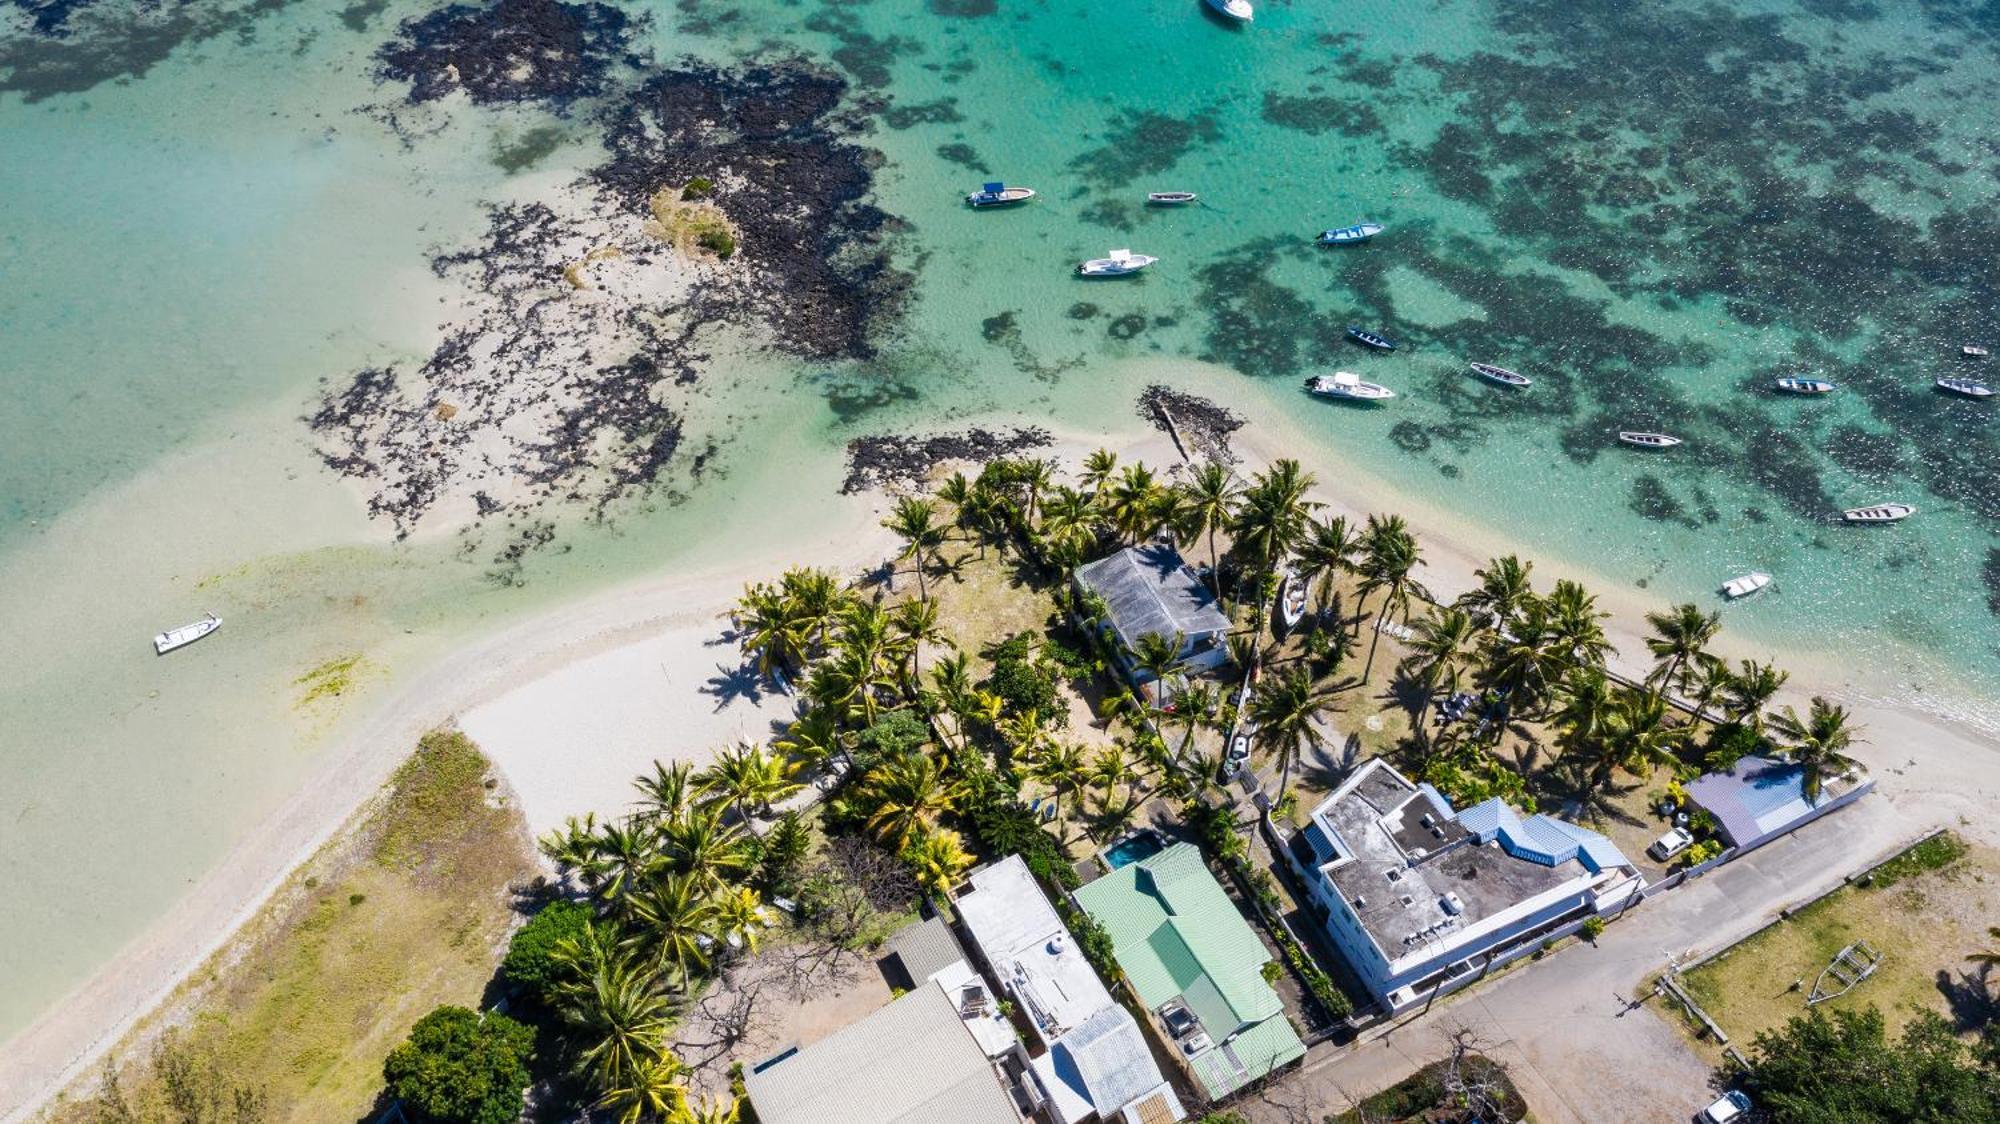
{"points": [[1094, 1063], [1421, 898]]}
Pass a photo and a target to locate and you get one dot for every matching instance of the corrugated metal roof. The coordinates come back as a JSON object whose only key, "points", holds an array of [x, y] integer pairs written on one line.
{"points": [[1109, 1056], [1597, 852], [1252, 1054], [925, 949], [1759, 797], [1150, 591], [912, 1062]]}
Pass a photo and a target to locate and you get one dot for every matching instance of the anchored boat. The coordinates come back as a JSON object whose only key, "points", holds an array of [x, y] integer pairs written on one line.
{"points": [[1501, 375], [1349, 235], [1973, 351], [1117, 264], [1879, 513], [1171, 198], [1966, 388], [1746, 585], [1369, 339], [999, 195], [1348, 385], [186, 634], [1804, 386], [1238, 10], [1647, 440]]}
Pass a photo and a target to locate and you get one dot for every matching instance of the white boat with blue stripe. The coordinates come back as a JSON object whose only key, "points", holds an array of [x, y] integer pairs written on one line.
{"points": [[1350, 235], [999, 195]]}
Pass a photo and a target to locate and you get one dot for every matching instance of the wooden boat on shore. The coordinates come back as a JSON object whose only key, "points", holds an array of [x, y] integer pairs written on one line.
{"points": [[1238, 10], [1736, 588], [1804, 386], [1879, 513], [1647, 440], [1965, 388], [1349, 235], [1349, 386], [999, 195], [186, 634], [1371, 340], [1171, 198], [1501, 375], [1117, 264]]}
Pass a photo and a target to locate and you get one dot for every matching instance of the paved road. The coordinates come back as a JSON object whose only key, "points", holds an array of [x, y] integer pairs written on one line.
{"points": [[1562, 1024]]}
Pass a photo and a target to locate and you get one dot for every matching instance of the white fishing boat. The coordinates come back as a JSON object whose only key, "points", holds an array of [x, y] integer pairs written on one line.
{"points": [[1291, 601], [1746, 585], [1238, 10], [1501, 375], [1973, 351], [1647, 440], [1348, 385], [1117, 264], [1966, 388], [999, 195], [186, 634], [1879, 513], [1803, 386], [1171, 198]]}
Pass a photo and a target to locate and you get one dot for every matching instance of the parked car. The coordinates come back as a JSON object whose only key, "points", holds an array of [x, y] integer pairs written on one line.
{"points": [[1671, 844], [1729, 1107]]}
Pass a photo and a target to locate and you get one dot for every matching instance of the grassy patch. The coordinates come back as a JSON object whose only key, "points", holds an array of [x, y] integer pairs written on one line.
{"points": [[1935, 853], [686, 220], [1924, 923], [407, 910], [329, 680]]}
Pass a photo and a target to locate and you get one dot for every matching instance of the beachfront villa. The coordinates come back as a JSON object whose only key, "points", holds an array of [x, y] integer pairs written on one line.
{"points": [[1421, 899], [1195, 962], [1762, 798], [1094, 1064], [1151, 591]]}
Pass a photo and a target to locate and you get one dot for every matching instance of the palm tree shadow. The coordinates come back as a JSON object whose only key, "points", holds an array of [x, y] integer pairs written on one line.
{"points": [[1407, 692], [1969, 998], [729, 685], [1569, 786], [1323, 768]]}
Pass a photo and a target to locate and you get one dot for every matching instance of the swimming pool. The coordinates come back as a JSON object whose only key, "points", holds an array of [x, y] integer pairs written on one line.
{"points": [[1133, 848]]}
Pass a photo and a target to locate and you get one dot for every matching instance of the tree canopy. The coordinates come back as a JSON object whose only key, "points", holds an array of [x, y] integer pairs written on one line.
{"points": [[460, 1068]]}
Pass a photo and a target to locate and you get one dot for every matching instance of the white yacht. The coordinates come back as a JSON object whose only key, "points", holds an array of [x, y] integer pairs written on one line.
{"points": [[1119, 263], [1348, 385], [1238, 10]]}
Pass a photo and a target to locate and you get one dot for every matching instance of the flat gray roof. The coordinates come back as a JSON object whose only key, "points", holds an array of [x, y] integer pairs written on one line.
{"points": [[1152, 592], [912, 1062]]}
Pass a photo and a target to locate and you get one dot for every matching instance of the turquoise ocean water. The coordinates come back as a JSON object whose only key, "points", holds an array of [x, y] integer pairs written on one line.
{"points": [[1652, 210]]}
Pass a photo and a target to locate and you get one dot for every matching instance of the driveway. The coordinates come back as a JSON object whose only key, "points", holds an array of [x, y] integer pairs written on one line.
{"points": [[1564, 1026]]}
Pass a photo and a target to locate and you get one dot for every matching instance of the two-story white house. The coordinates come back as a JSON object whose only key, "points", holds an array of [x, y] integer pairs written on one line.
{"points": [[1421, 898]]}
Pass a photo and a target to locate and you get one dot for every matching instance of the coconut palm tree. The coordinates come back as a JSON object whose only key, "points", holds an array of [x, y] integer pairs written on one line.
{"points": [[1097, 469], [1706, 678], [700, 846], [1109, 771], [1586, 702], [674, 919], [1286, 711], [1750, 691], [1505, 586], [770, 628], [611, 1001], [938, 858], [708, 1112], [1156, 655], [815, 598], [1633, 736], [654, 1090], [746, 777], [1203, 506], [1523, 664], [740, 917], [909, 793], [1035, 477], [1063, 769], [1137, 504], [916, 624], [1440, 653], [669, 792], [1575, 626], [627, 852], [812, 739], [1390, 556], [1194, 707], [1819, 743], [1680, 635], [1329, 551], [915, 522], [573, 849], [1272, 518]]}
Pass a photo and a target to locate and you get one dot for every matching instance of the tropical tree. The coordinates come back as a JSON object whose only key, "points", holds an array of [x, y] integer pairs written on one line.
{"points": [[1203, 506], [770, 628], [457, 1067], [674, 920], [1390, 556], [1680, 636], [812, 739], [915, 624], [1634, 736], [1330, 550], [1750, 691], [1064, 770], [815, 600], [915, 522], [1271, 520], [1819, 742], [908, 794], [669, 792], [1109, 771], [1440, 653], [746, 777], [1587, 701], [938, 858], [1194, 706], [611, 1002], [1575, 627], [1286, 712], [1097, 469], [1138, 504], [1504, 589], [654, 1090], [702, 847], [740, 916], [1157, 656], [1706, 678]]}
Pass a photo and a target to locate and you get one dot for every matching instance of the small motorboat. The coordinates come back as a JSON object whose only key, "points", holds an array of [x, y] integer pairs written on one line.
{"points": [[1238, 10], [1349, 235], [1746, 585], [1973, 351], [1348, 385], [1371, 340], [186, 634], [1501, 375], [1117, 264], [1647, 440], [1171, 198], [1965, 388], [1879, 513], [999, 195], [1291, 601], [1804, 386]]}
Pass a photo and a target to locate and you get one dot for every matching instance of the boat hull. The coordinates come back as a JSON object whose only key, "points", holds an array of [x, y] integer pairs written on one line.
{"points": [[1879, 513], [1370, 340], [1501, 376], [1648, 440]]}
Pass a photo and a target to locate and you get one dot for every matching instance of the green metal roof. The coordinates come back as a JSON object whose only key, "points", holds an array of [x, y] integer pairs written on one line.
{"points": [[1248, 1056], [1173, 925]]}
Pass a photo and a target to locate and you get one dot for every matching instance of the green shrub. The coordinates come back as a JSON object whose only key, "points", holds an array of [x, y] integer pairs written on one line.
{"points": [[1935, 853], [1593, 927], [1271, 972], [459, 1068], [530, 961], [1025, 683], [700, 187], [719, 240], [783, 858], [893, 734]]}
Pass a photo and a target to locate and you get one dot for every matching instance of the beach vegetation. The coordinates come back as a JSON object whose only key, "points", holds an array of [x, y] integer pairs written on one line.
{"points": [[181, 1084], [329, 680], [461, 1067], [1844, 1065], [530, 963], [688, 220]]}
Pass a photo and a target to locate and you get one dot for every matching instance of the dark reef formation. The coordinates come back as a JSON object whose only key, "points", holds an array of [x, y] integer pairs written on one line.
{"points": [[896, 460], [71, 46], [509, 51], [1200, 423]]}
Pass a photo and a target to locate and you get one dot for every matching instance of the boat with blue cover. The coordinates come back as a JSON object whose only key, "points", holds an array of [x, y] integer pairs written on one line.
{"points": [[1350, 235], [1804, 386], [1370, 340], [999, 195]]}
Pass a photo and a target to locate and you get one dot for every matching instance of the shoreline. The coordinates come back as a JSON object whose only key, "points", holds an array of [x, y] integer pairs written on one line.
{"points": [[1956, 775]]}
